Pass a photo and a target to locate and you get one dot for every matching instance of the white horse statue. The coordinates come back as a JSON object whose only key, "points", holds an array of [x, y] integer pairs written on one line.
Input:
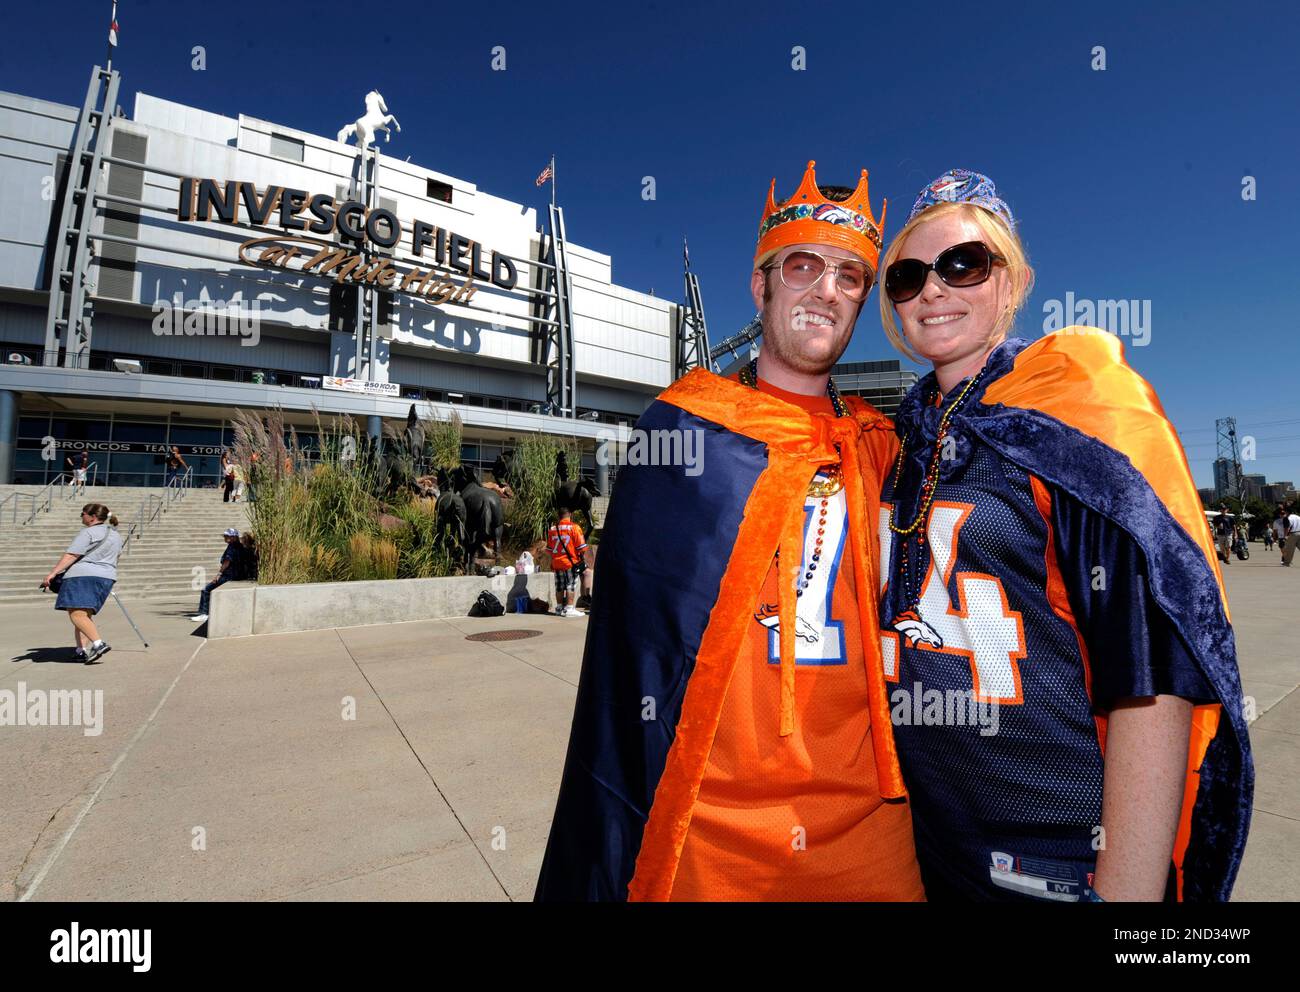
{"points": [[377, 118]]}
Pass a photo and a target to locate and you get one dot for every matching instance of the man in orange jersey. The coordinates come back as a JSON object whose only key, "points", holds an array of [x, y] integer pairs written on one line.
{"points": [[731, 738], [566, 545]]}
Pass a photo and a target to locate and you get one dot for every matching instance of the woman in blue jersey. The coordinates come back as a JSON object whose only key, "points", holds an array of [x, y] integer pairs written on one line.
{"points": [[1066, 701]]}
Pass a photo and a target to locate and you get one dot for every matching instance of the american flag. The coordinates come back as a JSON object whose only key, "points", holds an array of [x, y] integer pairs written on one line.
{"points": [[112, 27], [547, 173]]}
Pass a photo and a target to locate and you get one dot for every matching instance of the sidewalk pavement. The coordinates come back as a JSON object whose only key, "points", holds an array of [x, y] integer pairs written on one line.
{"points": [[231, 769]]}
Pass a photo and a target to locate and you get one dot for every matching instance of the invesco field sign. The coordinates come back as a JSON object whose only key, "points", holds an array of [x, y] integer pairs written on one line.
{"points": [[299, 210]]}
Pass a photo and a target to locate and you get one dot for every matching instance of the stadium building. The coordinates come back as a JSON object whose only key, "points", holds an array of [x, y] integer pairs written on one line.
{"points": [[163, 270]]}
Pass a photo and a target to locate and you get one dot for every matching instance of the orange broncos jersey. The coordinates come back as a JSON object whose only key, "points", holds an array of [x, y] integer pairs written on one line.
{"points": [[800, 817]]}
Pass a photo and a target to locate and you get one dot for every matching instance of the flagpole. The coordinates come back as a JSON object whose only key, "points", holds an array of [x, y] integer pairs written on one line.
{"points": [[108, 62], [552, 180]]}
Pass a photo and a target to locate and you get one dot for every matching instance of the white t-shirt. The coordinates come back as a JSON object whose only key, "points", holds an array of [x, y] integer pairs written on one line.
{"points": [[100, 544], [1293, 524]]}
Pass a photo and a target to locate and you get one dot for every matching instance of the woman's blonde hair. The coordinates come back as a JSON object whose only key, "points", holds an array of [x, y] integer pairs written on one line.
{"points": [[996, 235]]}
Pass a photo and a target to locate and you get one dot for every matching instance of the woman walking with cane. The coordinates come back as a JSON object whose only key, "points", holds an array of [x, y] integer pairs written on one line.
{"points": [[84, 577]]}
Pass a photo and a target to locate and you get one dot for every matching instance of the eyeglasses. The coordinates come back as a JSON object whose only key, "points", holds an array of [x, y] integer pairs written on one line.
{"points": [[802, 269], [966, 264]]}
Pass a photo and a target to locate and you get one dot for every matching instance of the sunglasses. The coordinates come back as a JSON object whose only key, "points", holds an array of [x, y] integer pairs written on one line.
{"points": [[802, 269], [966, 264]]}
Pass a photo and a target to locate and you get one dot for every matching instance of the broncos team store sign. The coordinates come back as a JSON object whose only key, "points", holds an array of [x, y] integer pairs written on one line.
{"points": [[356, 225]]}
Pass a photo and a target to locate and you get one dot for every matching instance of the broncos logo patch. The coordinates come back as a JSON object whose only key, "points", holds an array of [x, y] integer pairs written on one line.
{"points": [[911, 626], [767, 616]]}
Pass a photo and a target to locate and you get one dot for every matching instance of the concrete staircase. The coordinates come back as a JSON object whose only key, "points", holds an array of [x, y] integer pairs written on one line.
{"points": [[157, 566]]}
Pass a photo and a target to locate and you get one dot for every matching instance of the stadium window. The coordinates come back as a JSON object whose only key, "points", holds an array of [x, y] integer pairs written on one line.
{"points": [[496, 404], [343, 307], [285, 147], [439, 191]]}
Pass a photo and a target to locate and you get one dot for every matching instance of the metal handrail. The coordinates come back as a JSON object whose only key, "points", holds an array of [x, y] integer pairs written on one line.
{"points": [[150, 507], [153, 506], [46, 495], [13, 512], [179, 484], [92, 475], [43, 501]]}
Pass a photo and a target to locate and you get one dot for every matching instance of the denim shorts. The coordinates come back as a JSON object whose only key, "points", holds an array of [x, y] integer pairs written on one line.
{"points": [[83, 592]]}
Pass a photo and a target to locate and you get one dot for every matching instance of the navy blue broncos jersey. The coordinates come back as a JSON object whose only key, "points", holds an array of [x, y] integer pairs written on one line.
{"points": [[1034, 616]]}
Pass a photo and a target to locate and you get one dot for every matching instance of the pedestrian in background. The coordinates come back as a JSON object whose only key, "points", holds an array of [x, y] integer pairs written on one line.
{"points": [[1292, 536], [1223, 533], [566, 544], [232, 568], [175, 464], [79, 464], [84, 577], [227, 476], [249, 544]]}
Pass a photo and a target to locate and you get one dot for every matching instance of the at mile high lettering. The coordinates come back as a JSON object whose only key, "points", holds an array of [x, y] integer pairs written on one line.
{"points": [[298, 210]]}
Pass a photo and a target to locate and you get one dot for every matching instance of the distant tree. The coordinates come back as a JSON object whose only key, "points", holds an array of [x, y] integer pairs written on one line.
{"points": [[1263, 516]]}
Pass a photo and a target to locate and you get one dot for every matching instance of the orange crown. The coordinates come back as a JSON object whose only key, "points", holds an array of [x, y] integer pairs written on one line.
{"points": [[809, 218]]}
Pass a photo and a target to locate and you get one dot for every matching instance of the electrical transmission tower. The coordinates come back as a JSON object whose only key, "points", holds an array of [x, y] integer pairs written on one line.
{"points": [[1227, 472]]}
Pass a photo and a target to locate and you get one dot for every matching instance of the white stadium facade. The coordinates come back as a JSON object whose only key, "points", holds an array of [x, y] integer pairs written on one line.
{"points": [[161, 270]]}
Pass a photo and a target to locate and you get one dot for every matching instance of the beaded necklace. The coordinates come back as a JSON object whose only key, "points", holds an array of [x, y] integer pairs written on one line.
{"points": [[749, 377], [822, 491], [912, 597]]}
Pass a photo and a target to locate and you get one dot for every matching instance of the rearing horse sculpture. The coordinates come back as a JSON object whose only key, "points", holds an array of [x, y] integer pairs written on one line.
{"points": [[377, 118]]}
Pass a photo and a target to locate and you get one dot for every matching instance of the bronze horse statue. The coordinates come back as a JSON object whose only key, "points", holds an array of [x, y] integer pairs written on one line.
{"points": [[452, 517], [575, 496], [399, 463], [484, 517]]}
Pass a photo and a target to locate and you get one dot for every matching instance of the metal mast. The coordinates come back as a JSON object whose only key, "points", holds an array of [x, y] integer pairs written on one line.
{"points": [[69, 315], [553, 314], [692, 349]]}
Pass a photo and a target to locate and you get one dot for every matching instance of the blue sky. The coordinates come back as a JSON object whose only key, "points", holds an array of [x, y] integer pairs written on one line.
{"points": [[1127, 182]]}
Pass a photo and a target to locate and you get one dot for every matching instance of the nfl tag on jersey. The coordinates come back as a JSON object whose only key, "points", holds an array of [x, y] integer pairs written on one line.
{"points": [[1035, 877]]}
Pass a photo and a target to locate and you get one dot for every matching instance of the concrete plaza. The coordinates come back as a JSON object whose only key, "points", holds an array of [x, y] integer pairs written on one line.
{"points": [[231, 769]]}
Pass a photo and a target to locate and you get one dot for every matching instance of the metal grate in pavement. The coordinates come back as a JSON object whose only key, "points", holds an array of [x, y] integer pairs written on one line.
{"points": [[503, 635]]}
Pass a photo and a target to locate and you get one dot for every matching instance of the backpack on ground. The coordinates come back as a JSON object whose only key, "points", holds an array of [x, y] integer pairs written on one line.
{"points": [[486, 605]]}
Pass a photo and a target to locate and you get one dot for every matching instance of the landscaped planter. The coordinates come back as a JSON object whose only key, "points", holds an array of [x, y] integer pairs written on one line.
{"points": [[241, 608]]}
